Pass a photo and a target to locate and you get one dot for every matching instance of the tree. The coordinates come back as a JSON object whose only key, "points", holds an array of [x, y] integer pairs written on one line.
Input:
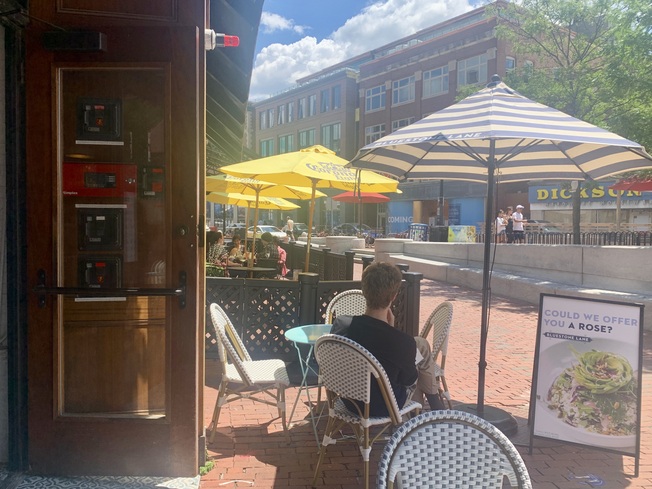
{"points": [[591, 60]]}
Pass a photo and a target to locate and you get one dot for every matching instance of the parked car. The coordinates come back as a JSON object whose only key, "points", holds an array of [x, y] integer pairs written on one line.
{"points": [[239, 227], [541, 226], [273, 230], [300, 228], [352, 229]]}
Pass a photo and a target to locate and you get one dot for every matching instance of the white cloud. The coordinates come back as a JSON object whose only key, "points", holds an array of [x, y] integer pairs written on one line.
{"points": [[278, 66], [270, 23]]}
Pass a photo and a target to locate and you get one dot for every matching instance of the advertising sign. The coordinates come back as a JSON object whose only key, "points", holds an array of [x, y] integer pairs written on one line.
{"points": [[461, 234], [399, 217], [586, 383]]}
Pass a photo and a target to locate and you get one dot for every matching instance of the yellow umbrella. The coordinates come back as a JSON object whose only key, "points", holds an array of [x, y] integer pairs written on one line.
{"points": [[314, 167], [242, 200], [250, 186]]}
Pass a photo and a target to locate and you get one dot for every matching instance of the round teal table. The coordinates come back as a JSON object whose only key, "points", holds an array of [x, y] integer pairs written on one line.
{"points": [[306, 335]]}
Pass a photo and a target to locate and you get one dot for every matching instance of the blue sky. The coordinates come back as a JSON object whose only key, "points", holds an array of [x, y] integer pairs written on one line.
{"points": [[300, 37]]}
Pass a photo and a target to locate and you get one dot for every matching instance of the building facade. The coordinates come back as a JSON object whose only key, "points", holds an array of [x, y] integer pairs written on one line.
{"points": [[400, 83], [381, 91]]}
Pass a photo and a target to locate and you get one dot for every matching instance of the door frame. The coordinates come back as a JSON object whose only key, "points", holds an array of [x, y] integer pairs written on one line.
{"points": [[175, 443]]}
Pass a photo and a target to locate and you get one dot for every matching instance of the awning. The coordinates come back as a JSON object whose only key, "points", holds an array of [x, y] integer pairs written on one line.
{"points": [[228, 77]]}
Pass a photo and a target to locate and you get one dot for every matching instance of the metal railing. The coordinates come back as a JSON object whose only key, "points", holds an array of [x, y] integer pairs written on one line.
{"points": [[611, 238], [325, 263]]}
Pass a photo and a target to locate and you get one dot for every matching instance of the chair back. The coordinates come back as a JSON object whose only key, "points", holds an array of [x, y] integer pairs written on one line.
{"points": [[347, 369], [347, 303], [229, 345], [439, 323], [450, 449]]}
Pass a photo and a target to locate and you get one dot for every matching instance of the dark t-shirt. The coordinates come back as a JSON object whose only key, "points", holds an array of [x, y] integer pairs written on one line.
{"points": [[394, 349]]}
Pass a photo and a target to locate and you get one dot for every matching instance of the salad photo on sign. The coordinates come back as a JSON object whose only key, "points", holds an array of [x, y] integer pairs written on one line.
{"points": [[587, 380]]}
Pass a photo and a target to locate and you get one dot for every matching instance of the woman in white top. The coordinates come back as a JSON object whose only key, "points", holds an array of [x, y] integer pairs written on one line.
{"points": [[501, 223]]}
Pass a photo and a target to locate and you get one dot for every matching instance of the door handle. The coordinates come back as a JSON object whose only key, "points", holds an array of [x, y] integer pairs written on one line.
{"points": [[43, 290]]}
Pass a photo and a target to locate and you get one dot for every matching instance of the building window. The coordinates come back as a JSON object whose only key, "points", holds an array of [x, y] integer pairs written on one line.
{"points": [[472, 71], [373, 133], [403, 91], [510, 64], [325, 101], [290, 112], [435, 82], [262, 120], [331, 136], [306, 138], [337, 97], [280, 111], [302, 108], [312, 105], [286, 143], [270, 117], [267, 147], [401, 123], [375, 98]]}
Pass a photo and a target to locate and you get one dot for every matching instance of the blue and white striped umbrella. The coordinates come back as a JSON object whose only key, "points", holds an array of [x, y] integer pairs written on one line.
{"points": [[530, 141], [497, 135]]}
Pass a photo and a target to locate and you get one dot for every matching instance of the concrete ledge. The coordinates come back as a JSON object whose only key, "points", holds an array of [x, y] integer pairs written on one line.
{"points": [[340, 244], [516, 286]]}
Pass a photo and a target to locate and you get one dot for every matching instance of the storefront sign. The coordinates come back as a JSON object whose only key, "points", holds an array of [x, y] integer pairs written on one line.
{"points": [[586, 382], [399, 217], [550, 194]]}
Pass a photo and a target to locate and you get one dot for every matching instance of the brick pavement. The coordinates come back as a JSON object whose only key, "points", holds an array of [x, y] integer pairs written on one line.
{"points": [[251, 451]]}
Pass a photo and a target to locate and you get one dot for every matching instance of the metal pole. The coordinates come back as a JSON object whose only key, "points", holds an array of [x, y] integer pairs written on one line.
{"points": [[486, 278]]}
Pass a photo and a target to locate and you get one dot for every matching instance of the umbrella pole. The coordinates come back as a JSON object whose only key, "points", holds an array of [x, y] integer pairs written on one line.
{"points": [[253, 240], [501, 419], [306, 266]]}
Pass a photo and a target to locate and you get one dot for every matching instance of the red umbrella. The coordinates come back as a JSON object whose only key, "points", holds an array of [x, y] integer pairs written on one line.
{"points": [[638, 185], [361, 197]]}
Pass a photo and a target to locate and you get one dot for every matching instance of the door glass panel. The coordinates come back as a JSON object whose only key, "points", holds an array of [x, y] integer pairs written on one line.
{"points": [[112, 355]]}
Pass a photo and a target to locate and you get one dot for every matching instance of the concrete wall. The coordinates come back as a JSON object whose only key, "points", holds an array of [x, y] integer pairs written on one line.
{"points": [[525, 271]]}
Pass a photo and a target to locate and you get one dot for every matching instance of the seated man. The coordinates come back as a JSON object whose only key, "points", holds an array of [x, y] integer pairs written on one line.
{"points": [[395, 350]]}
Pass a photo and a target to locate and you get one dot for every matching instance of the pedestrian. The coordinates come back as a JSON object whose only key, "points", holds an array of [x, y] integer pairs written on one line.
{"points": [[501, 224], [289, 228], [407, 360], [509, 227], [519, 220], [282, 257]]}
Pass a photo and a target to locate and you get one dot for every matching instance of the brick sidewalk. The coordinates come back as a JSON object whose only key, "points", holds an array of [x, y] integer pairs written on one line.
{"points": [[250, 449]]}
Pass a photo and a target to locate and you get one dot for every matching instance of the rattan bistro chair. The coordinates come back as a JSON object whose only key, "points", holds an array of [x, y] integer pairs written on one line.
{"points": [[346, 303], [346, 371], [259, 380], [450, 449], [439, 324]]}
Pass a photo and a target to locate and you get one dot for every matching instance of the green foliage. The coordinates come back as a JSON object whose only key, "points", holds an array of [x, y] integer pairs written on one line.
{"points": [[591, 59], [207, 467], [214, 270]]}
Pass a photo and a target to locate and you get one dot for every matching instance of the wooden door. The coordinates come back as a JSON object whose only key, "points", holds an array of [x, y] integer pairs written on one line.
{"points": [[116, 316]]}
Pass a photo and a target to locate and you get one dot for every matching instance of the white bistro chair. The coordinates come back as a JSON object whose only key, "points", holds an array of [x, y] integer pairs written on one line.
{"points": [[450, 450], [346, 303], [346, 371], [243, 378], [439, 325]]}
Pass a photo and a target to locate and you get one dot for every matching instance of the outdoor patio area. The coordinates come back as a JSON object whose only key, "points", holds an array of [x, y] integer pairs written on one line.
{"points": [[250, 449]]}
